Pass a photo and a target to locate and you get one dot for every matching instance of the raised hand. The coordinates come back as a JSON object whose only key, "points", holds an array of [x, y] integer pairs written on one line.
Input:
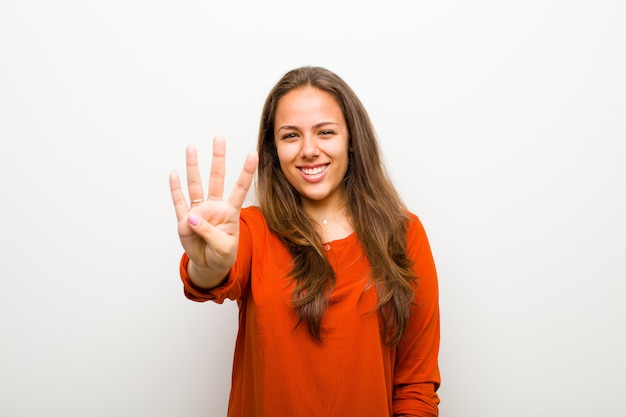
{"points": [[209, 228]]}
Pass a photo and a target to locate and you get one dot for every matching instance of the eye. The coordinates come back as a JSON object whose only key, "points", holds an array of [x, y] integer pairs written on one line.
{"points": [[327, 133], [288, 136]]}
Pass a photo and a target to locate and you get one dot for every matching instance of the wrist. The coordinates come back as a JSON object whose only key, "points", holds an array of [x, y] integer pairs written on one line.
{"points": [[205, 277]]}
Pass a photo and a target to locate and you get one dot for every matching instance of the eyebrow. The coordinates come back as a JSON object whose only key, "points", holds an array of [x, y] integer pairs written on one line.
{"points": [[316, 126]]}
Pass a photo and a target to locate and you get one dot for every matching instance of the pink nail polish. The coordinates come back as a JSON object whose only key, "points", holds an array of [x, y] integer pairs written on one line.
{"points": [[193, 219]]}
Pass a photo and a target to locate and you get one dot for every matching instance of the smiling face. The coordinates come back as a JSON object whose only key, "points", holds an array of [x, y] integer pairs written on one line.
{"points": [[311, 138]]}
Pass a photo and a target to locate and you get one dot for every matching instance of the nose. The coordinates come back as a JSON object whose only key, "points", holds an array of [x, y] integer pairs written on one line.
{"points": [[310, 147]]}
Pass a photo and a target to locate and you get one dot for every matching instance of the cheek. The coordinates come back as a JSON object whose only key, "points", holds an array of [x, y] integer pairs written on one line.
{"points": [[286, 153], [282, 157], [341, 153], [284, 160]]}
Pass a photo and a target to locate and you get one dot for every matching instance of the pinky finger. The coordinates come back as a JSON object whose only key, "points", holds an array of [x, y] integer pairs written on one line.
{"points": [[178, 197]]}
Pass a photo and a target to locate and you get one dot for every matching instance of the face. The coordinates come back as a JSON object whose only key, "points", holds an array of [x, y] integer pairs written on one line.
{"points": [[311, 139]]}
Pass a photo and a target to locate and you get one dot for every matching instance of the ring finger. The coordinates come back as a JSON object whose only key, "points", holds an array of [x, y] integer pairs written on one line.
{"points": [[194, 180]]}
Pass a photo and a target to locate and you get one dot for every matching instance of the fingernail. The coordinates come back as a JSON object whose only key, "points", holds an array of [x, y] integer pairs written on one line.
{"points": [[193, 219]]}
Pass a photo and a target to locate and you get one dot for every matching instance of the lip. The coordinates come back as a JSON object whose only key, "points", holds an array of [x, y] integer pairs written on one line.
{"points": [[313, 177]]}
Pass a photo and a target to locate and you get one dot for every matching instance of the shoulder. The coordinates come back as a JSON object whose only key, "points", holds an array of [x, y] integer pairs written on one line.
{"points": [[414, 224], [416, 236], [254, 231], [253, 218], [252, 213]]}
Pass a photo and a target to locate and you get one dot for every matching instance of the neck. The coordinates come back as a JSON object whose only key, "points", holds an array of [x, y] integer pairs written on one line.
{"points": [[324, 214], [325, 219], [335, 225], [332, 206]]}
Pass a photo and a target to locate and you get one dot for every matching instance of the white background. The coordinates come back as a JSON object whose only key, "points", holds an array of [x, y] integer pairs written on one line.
{"points": [[503, 126]]}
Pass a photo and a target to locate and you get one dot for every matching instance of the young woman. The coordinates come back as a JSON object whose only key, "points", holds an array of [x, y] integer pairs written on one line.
{"points": [[334, 277]]}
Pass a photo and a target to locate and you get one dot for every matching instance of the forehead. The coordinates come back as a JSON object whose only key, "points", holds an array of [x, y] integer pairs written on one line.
{"points": [[306, 103]]}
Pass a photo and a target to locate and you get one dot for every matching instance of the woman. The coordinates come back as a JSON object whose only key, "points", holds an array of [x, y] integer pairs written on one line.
{"points": [[334, 277]]}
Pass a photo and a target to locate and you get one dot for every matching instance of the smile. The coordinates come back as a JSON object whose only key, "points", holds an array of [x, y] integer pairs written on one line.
{"points": [[314, 171]]}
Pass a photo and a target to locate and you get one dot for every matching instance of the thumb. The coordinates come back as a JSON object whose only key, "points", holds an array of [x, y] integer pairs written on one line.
{"points": [[205, 230], [200, 227], [221, 249], [193, 220]]}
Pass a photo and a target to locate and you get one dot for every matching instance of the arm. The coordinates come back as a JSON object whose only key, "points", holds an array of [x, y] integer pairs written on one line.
{"points": [[236, 281], [209, 229], [416, 377]]}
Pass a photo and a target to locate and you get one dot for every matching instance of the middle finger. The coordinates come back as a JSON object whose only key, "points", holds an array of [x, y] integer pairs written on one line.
{"points": [[218, 163]]}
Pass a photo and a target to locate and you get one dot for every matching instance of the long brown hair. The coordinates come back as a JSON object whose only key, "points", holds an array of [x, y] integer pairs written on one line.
{"points": [[379, 216]]}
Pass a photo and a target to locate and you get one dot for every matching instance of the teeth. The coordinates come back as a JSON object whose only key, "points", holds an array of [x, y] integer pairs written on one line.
{"points": [[313, 171]]}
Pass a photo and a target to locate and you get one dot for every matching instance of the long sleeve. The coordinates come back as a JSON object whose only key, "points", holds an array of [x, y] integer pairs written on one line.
{"points": [[416, 376]]}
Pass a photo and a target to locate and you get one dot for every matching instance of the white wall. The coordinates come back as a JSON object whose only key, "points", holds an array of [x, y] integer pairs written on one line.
{"points": [[503, 124]]}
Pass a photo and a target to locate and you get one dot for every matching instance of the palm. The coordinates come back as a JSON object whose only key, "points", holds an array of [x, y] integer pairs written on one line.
{"points": [[213, 243], [225, 220]]}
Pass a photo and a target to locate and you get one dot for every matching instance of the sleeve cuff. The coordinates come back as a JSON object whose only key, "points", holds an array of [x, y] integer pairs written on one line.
{"points": [[194, 293]]}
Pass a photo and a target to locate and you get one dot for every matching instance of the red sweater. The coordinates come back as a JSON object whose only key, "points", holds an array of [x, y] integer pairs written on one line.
{"points": [[280, 370]]}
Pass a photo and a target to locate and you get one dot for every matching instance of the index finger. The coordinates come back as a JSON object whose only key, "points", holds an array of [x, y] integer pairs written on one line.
{"points": [[238, 195]]}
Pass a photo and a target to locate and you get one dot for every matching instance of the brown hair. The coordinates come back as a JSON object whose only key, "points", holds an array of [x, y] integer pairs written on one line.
{"points": [[378, 214]]}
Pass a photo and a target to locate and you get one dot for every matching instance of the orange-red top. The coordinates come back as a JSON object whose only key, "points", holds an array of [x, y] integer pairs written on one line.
{"points": [[280, 370]]}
